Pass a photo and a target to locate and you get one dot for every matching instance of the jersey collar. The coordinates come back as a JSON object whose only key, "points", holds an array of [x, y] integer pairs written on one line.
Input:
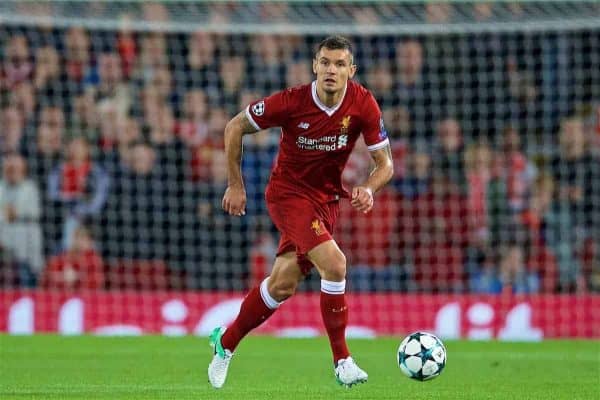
{"points": [[328, 110]]}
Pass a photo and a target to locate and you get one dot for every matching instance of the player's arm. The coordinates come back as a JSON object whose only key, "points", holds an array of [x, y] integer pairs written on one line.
{"points": [[234, 200], [362, 195]]}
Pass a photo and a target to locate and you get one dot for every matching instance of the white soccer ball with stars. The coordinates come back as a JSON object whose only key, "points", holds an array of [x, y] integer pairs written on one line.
{"points": [[421, 356]]}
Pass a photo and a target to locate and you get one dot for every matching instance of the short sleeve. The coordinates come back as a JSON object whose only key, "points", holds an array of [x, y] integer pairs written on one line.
{"points": [[268, 112], [373, 129]]}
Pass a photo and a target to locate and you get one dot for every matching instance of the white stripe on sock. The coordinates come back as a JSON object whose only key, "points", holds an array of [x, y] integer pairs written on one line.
{"points": [[331, 287], [264, 293]]}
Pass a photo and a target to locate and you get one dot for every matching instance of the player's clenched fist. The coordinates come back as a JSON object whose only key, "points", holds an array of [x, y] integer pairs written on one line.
{"points": [[234, 200], [362, 199]]}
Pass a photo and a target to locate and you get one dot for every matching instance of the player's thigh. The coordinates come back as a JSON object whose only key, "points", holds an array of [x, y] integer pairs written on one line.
{"points": [[302, 222], [285, 276], [329, 260]]}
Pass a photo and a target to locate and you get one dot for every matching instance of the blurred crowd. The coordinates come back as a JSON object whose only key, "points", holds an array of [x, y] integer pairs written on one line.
{"points": [[113, 166]]}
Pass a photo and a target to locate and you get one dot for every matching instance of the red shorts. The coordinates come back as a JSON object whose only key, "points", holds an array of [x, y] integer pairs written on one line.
{"points": [[303, 225]]}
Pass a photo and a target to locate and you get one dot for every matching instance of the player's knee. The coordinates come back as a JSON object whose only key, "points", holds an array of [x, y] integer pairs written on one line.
{"points": [[336, 270], [281, 289]]}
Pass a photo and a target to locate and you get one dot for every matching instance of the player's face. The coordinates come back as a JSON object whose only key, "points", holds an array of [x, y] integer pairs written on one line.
{"points": [[333, 69]]}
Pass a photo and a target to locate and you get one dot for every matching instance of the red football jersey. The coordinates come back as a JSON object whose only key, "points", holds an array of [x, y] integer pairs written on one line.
{"points": [[317, 140]]}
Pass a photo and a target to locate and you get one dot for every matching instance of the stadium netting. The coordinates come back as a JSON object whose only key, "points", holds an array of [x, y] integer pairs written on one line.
{"points": [[111, 133]]}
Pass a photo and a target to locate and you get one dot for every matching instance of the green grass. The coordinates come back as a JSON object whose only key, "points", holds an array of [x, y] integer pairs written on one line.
{"points": [[52, 367]]}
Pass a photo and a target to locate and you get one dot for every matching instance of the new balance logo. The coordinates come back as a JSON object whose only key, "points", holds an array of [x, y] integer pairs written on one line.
{"points": [[303, 125]]}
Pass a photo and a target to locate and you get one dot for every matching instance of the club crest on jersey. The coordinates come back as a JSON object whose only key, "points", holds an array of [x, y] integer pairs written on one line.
{"points": [[259, 108], [345, 124], [317, 226]]}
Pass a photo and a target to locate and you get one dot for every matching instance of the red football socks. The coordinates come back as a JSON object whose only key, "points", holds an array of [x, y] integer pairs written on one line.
{"points": [[253, 312], [335, 317]]}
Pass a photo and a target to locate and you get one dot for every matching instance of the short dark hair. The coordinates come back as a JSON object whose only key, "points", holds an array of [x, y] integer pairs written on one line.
{"points": [[336, 43]]}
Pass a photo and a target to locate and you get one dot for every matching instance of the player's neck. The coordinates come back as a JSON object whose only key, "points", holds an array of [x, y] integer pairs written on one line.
{"points": [[330, 99]]}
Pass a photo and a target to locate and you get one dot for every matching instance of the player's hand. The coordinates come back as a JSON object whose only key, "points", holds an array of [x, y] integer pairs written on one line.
{"points": [[234, 200], [362, 199]]}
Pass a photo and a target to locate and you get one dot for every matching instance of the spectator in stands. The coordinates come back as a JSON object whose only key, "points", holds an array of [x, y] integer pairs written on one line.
{"points": [[171, 153], [485, 279], [550, 226], [409, 63], [521, 82], [84, 119], [155, 12], [267, 65], [297, 73], [368, 240], [23, 97], [260, 150], [232, 71], [416, 90], [493, 225], [9, 275], [47, 77], [77, 56], [483, 11], [520, 173], [80, 186], [449, 152], [128, 220], [118, 159], [433, 230], [79, 267], [12, 132], [380, 82], [273, 12], [143, 219], [17, 66], [479, 175], [46, 153], [111, 93], [153, 54], [215, 233], [438, 13], [149, 103], [398, 126], [205, 148], [591, 250], [42, 157], [20, 210], [220, 13], [577, 174], [202, 70], [514, 273], [417, 174], [365, 15], [192, 128], [162, 81], [112, 124], [127, 47], [594, 130]]}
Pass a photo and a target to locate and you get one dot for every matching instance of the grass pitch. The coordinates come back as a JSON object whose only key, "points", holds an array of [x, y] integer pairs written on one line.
{"points": [[153, 367]]}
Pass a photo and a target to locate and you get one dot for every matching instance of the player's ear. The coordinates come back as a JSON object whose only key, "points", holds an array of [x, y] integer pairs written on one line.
{"points": [[353, 69], [314, 66]]}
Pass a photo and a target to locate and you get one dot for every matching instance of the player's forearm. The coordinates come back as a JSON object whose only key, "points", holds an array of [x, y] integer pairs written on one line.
{"points": [[379, 177], [233, 152], [384, 169]]}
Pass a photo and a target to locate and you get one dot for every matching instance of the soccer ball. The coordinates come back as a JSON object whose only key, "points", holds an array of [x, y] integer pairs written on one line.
{"points": [[421, 356]]}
